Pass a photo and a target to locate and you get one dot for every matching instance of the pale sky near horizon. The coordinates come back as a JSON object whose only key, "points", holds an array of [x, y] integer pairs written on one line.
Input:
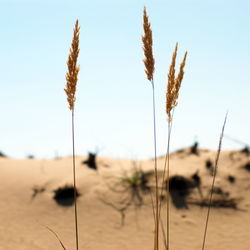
{"points": [[113, 107]]}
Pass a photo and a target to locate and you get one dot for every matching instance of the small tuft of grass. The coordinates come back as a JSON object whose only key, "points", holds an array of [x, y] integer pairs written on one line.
{"points": [[194, 149], [91, 161], [247, 166], [2, 154], [138, 179], [65, 196], [246, 151], [131, 188], [231, 179]]}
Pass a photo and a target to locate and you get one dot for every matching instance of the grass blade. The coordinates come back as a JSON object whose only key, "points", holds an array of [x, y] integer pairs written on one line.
{"points": [[55, 234], [213, 182]]}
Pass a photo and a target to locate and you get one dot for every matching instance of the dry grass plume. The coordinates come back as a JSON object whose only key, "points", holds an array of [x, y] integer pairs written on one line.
{"points": [[174, 83], [73, 68], [147, 47]]}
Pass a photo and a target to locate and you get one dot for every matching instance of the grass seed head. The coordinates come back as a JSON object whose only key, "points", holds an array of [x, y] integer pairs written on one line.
{"points": [[73, 68], [179, 78], [174, 83], [147, 47]]}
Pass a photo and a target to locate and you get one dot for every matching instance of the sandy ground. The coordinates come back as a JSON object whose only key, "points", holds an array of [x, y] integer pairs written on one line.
{"points": [[27, 205]]}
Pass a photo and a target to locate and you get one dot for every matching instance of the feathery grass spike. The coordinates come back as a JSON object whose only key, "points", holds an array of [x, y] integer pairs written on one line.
{"points": [[147, 40], [174, 83], [179, 79], [171, 83], [73, 68]]}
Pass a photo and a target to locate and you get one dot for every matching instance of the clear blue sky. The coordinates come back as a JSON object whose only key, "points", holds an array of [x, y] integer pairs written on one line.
{"points": [[113, 107]]}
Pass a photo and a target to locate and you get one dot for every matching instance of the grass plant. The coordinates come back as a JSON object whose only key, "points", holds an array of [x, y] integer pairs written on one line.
{"points": [[136, 181], [70, 90], [174, 84], [172, 94], [149, 62], [130, 188]]}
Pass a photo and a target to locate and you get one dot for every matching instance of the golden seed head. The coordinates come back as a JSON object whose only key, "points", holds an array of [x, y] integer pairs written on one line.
{"points": [[73, 68], [179, 78], [174, 84], [147, 40]]}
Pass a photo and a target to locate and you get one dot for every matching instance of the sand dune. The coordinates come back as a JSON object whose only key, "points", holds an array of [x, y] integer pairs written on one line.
{"points": [[27, 204]]}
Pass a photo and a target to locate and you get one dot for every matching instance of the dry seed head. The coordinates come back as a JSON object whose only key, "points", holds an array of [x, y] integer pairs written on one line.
{"points": [[147, 40], [174, 84], [73, 68], [179, 78], [171, 83]]}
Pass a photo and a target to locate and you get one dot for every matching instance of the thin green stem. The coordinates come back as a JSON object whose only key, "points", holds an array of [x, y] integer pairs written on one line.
{"points": [[74, 177]]}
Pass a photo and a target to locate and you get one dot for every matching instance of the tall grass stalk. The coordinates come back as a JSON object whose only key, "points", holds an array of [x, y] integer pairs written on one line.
{"points": [[149, 70], [70, 90], [213, 182], [172, 94]]}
